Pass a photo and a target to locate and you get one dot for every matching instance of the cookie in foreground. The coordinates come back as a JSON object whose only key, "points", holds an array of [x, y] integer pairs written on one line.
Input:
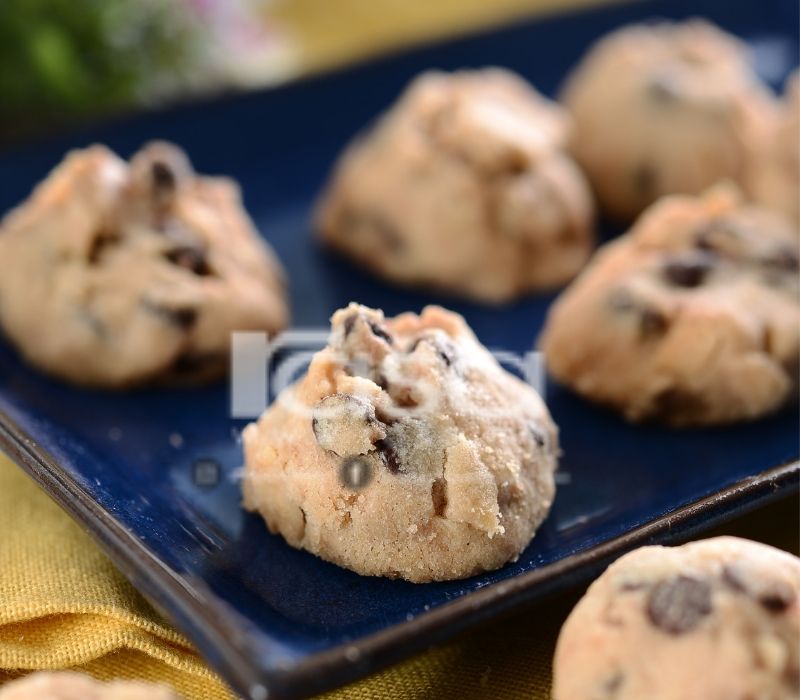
{"points": [[405, 451], [665, 108], [76, 686], [464, 185], [711, 620], [691, 318], [118, 273]]}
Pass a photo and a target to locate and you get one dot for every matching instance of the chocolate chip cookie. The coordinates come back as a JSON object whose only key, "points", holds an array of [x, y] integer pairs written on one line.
{"points": [[405, 451], [774, 179], [464, 186], [76, 686], [664, 108], [712, 620], [118, 274], [691, 318]]}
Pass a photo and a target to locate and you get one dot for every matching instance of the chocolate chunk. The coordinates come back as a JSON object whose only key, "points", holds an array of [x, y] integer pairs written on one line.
{"points": [[632, 586], [785, 258], [645, 179], [444, 348], [613, 683], [380, 332], [180, 317], [388, 454], [189, 257], [193, 364], [663, 90], [717, 235], [674, 403], [620, 299], [678, 605], [100, 244], [538, 436], [439, 496], [374, 226], [377, 330], [774, 595], [687, 272], [163, 178], [651, 321]]}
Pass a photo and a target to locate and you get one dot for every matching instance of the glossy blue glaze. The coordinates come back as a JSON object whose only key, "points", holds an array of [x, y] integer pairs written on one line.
{"points": [[283, 605]]}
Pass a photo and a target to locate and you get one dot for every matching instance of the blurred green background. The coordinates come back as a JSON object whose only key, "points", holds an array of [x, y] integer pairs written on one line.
{"points": [[63, 61]]}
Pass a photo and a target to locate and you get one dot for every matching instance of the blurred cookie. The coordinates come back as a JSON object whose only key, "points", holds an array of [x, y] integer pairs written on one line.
{"points": [[775, 176], [405, 451], [76, 686], [463, 186], [120, 274], [662, 109], [711, 620], [691, 318]]}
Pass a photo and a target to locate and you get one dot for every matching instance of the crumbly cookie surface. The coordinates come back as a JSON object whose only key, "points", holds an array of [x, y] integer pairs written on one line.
{"points": [[127, 273], [775, 177], [76, 686], [464, 185], [691, 318], [459, 454], [715, 619], [663, 109]]}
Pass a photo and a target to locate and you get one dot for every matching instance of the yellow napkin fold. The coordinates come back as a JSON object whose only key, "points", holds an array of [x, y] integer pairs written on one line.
{"points": [[64, 605]]}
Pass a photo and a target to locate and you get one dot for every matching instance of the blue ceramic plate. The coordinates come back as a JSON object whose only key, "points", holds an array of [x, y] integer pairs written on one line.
{"points": [[280, 623]]}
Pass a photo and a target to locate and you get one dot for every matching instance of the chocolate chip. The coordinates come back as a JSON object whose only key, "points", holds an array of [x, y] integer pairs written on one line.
{"points": [[376, 227], [388, 454], [193, 364], [674, 403], [778, 599], [651, 321], [444, 348], [784, 258], [678, 605], [632, 586], [538, 436], [180, 317], [663, 90], [774, 595], [100, 244], [191, 258], [377, 330], [380, 332], [163, 178], [687, 272], [714, 235], [620, 299], [613, 683], [439, 496], [645, 179]]}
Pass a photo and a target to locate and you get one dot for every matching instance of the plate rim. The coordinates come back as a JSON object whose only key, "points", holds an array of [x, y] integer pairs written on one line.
{"points": [[191, 610]]}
